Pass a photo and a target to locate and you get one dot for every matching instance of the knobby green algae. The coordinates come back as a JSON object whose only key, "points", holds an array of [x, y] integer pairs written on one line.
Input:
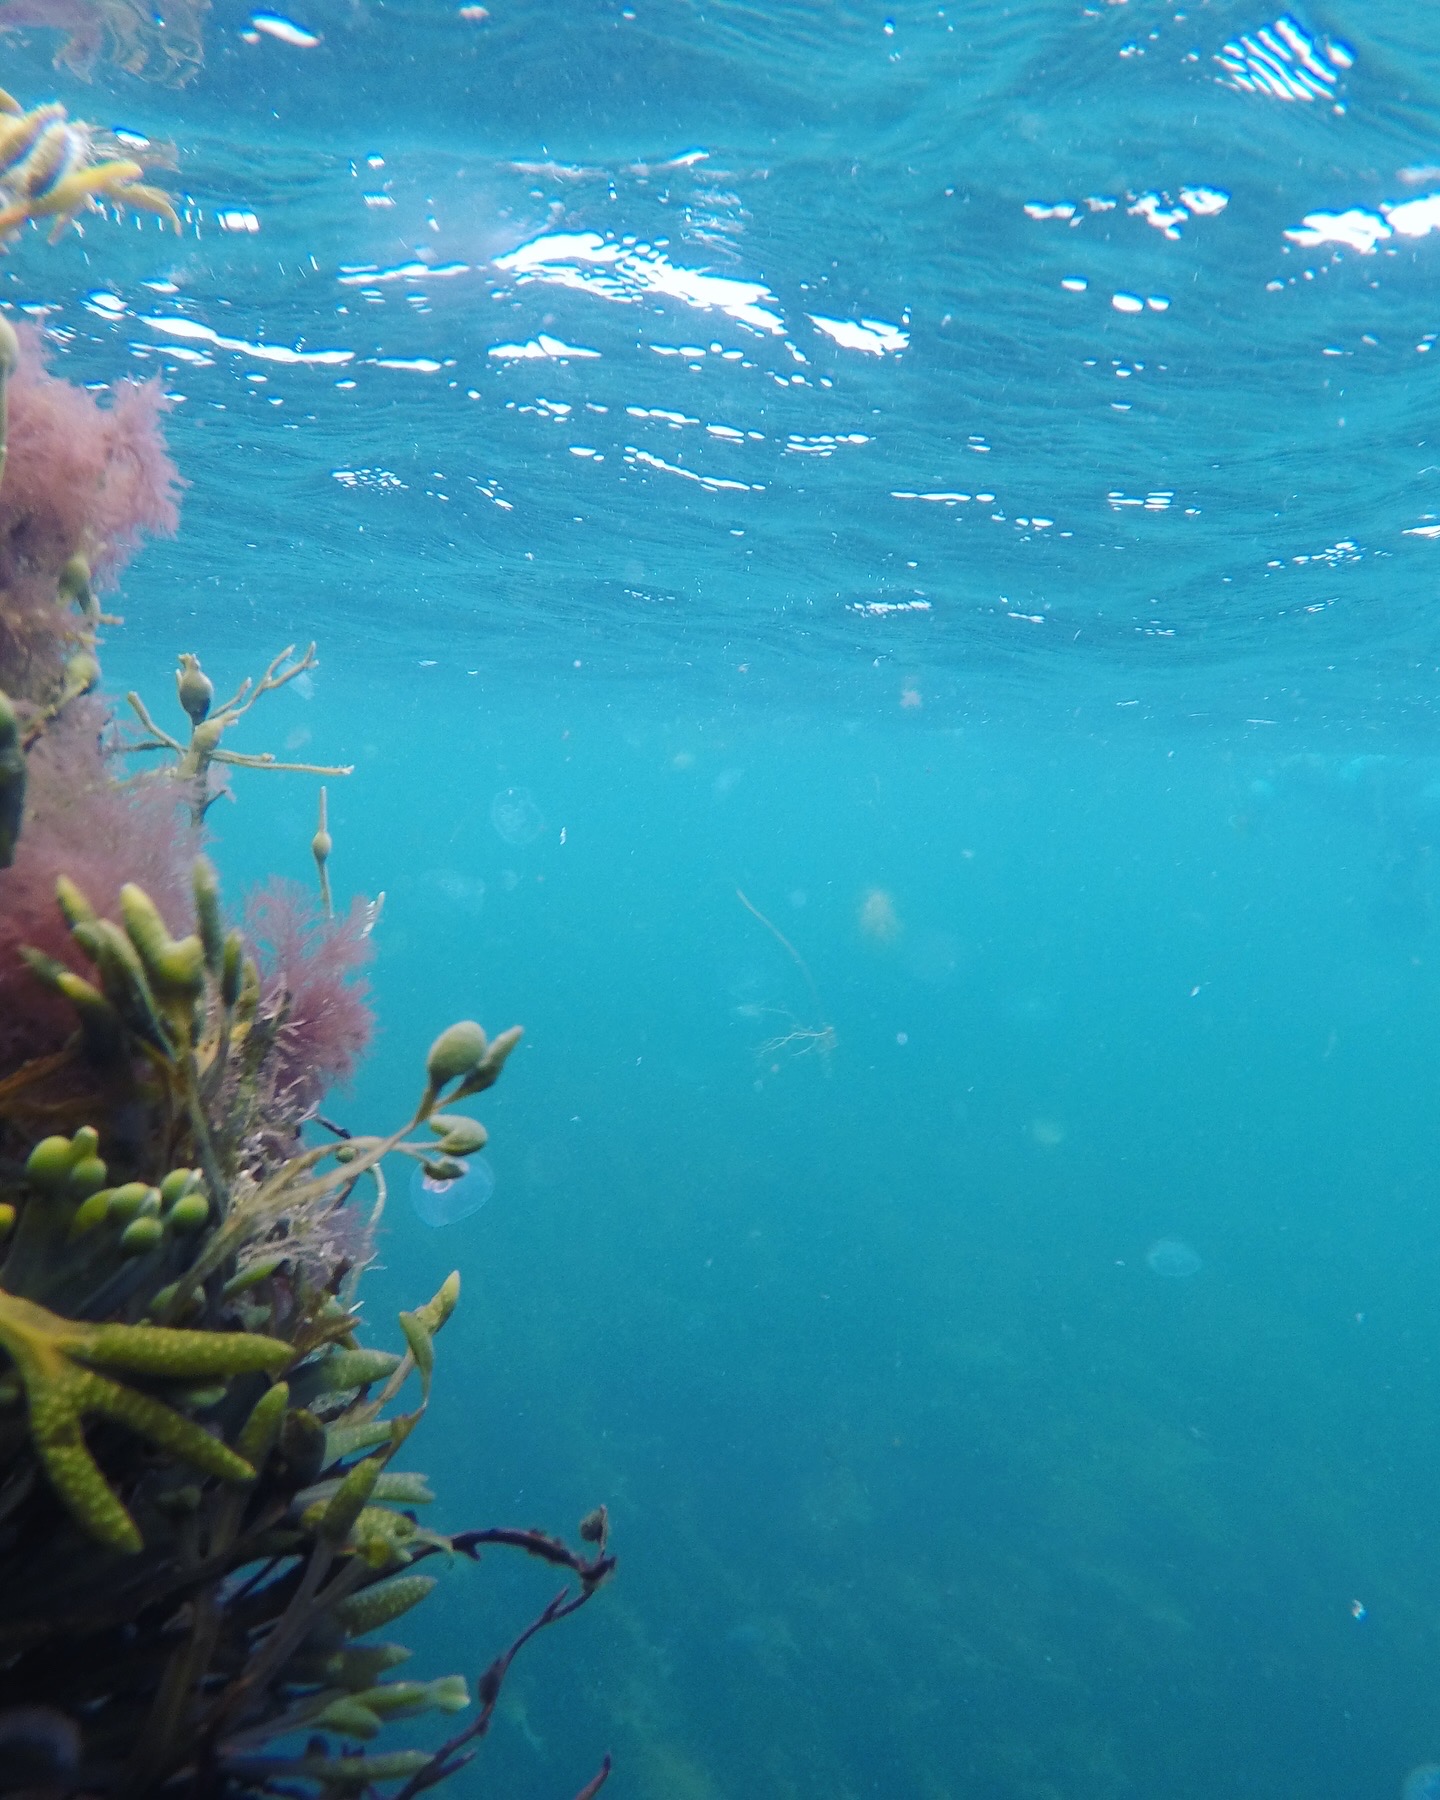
{"points": [[201, 1520]]}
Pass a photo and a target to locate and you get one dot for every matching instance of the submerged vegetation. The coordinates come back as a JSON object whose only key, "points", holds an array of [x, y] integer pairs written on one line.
{"points": [[55, 168], [203, 1518]]}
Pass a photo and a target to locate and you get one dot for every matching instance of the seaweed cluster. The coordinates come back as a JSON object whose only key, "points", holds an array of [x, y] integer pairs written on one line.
{"points": [[53, 167], [204, 1520]]}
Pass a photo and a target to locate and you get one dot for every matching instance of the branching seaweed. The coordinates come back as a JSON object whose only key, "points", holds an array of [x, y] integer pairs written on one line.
{"points": [[195, 760]]}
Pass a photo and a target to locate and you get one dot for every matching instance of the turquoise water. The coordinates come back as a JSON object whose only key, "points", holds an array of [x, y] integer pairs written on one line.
{"points": [[950, 790]]}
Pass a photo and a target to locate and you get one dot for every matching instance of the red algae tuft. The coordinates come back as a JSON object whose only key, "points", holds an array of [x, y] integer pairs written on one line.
{"points": [[81, 479], [316, 961]]}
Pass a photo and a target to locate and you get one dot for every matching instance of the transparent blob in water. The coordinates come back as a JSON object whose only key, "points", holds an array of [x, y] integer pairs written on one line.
{"points": [[1422, 1783], [446, 1202], [515, 816], [1175, 1260]]}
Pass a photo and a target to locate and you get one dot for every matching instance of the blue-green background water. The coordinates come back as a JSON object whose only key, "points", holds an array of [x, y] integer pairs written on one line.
{"points": [[924, 1482]]}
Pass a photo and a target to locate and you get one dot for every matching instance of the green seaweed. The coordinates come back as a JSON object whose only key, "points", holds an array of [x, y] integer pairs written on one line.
{"points": [[200, 1523]]}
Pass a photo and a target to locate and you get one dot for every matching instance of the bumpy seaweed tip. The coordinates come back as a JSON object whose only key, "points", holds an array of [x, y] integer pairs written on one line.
{"points": [[57, 1361], [458, 1049]]}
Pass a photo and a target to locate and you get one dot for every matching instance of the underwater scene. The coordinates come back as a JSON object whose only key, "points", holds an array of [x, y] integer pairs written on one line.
{"points": [[867, 575]]}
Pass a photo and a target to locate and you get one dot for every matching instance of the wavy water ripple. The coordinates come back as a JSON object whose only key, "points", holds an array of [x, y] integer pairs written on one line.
{"points": [[721, 346]]}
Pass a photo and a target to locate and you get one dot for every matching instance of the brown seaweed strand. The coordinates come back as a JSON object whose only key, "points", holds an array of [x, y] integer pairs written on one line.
{"points": [[453, 1755], [299, 1616], [785, 944], [597, 1781]]}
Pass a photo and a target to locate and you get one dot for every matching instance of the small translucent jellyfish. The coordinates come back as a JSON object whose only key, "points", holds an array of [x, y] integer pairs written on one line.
{"points": [[446, 1202], [1176, 1261], [1422, 1783], [467, 892], [515, 816], [877, 917]]}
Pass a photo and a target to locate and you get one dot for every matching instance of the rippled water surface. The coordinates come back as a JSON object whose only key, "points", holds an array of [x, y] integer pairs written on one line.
{"points": [[1070, 343], [877, 569]]}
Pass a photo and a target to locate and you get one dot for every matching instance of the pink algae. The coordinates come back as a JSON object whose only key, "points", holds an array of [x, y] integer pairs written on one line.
{"points": [[80, 822], [317, 962], [80, 479]]}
